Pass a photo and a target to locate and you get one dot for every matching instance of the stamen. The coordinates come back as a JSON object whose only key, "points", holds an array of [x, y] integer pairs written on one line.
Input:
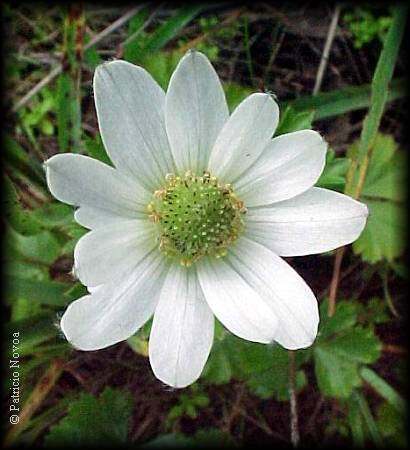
{"points": [[196, 216]]}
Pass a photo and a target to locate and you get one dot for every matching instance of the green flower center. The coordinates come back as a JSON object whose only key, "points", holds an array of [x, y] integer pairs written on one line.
{"points": [[196, 216]]}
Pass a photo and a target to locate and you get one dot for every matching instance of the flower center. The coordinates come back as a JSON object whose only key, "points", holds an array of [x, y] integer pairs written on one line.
{"points": [[196, 216]]}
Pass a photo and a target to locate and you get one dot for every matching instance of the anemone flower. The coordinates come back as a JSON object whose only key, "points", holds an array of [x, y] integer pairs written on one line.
{"points": [[192, 218]]}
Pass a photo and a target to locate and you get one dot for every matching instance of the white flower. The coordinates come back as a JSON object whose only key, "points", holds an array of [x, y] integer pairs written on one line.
{"points": [[194, 217]]}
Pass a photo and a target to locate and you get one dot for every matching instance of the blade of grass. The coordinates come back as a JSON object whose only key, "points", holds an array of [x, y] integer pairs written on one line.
{"points": [[68, 87], [169, 29], [368, 419], [344, 100], [383, 388], [379, 95]]}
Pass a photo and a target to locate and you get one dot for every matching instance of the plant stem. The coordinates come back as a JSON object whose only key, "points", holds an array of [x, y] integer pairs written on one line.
{"points": [[294, 428], [326, 50]]}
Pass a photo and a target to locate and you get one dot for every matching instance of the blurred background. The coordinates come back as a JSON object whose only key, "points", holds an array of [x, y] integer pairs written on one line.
{"points": [[320, 63]]}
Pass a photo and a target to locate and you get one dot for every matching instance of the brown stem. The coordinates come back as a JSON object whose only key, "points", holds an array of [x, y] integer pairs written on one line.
{"points": [[334, 284]]}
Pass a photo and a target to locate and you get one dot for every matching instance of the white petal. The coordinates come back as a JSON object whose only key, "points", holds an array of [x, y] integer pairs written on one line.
{"points": [[93, 218], [195, 111], [284, 291], [259, 297], [234, 302], [110, 252], [289, 165], [83, 181], [115, 311], [316, 221], [244, 136], [182, 330], [130, 110]]}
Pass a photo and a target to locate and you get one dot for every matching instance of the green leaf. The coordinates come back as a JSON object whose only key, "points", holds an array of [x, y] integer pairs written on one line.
{"points": [[291, 120], [383, 388], [170, 28], [161, 65], [341, 101], [19, 218], [386, 176], [132, 50], [368, 419], [94, 421], [42, 247], [384, 192], [393, 426], [263, 367], [341, 348], [33, 331], [381, 82], [356, 423], [44, 292], [53, 215], [235, 93], [95, 148], [334, 174], [385, 232], [68, 115], [21, 162]]}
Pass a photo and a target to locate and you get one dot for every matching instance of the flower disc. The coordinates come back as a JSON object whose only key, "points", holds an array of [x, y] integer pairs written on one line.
{"points": [[196, 216]]}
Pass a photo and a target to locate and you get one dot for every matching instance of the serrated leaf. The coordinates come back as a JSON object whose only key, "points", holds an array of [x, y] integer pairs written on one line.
{"points": [[263, 367], [94, 421], [341, 348], [386, 176], [385, 233]]}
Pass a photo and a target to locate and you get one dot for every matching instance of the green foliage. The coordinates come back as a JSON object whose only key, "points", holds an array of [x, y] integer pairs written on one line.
{"points": [[95, 148], [334, 174], [362, 423], [341, 348], [93, 421], [383, 388], [142, 46], [190, 402], [264, 368], [19, 162], [69, 114], [15, 215], [291, 120], [384, 193], [392, 426], [40, 234], [366, 25], [341, 101], [36, 118], [379, 91]]}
